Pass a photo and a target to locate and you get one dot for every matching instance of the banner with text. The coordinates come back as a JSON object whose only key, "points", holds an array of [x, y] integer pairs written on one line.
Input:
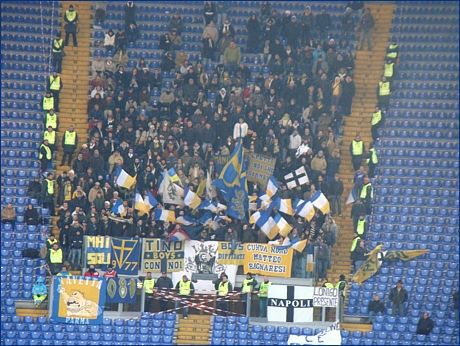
{"points": [[330, 336], [98, 250], [227, 256], [260, 168], [326, 297], [161, 256], [121, 290], [202, 265], [125, 255], [78, 300], [265, 259], [290, 304]]}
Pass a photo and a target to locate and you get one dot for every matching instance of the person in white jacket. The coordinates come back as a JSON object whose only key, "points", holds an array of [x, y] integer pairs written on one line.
{"points": [[240, 129], [294, 142], [109, 41]]}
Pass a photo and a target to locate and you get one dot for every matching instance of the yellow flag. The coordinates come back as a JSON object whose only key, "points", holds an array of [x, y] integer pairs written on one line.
{"points": [[369, 268], [405, 255]]}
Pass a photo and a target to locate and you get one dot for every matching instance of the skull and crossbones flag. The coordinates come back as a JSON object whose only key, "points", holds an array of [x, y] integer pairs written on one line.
{"points": [[296, 178]]}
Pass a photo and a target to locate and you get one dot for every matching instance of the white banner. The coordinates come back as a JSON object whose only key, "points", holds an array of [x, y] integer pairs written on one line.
{"points": [[330, 336], [290, 304], [201, 258], [326, 297]]}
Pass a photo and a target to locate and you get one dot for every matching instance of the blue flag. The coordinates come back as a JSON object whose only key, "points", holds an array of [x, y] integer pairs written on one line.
{"points": [[233, 185]]}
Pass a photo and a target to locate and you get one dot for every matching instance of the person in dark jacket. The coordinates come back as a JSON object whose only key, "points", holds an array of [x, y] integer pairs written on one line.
{"points": [[335, 193], [35, 188], [398, 296], [357, 209], [165, 42], [360, 255], [31, 216], [425, 324], [253, 29], [164, 283], [130, 8], [375, 307], [323, 22]]}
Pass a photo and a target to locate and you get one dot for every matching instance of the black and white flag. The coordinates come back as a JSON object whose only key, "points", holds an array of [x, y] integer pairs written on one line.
{"points": [[296, 178], [290, 304]]}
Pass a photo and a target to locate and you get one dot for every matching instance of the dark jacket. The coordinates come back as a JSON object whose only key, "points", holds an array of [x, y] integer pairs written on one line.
{"points": [[164, 282], [357, 210], [358, 254], [336, 188], [376, 306], [398, 297], [425, 325]]}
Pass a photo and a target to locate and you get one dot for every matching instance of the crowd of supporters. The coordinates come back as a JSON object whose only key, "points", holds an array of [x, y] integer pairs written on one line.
{"points": [[291, 112]]}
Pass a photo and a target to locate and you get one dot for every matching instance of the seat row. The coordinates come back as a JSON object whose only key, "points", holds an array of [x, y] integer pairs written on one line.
{"points": [[416, 220], [417, 211], [422, 20], [424, 105], [423, 95], [419, 134], [411, 231], [426, 76], [432, 164]]}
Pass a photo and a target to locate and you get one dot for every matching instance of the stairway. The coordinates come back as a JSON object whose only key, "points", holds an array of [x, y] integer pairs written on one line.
{"points": [[194, 330], [354, 326], [367, 74], [32, 312], [74, 95]]}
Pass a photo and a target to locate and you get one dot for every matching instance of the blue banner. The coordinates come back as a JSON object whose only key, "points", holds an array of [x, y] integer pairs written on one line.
{"points": [[121, 290], [125, 255], [98, 250], [78, 300]]}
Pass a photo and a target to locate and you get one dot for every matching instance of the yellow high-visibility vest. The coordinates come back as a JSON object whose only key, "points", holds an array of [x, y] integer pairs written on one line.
{"points": [[338, 287], [59, 43], [360, 226], [70, 15], [184, 288], [328, 285], [50, 186], [376, 117], [384, 88], [374, 157], [357, 147], [148, 284], [51, 242], [223, 289], [51, 120], [246, 286], [48, 152], [50, 136], [55, 83], [69, 138], [388, 72], [48, 103], [392, 55], [364, 191], [263, 290], [353, 245], [56, 256]]}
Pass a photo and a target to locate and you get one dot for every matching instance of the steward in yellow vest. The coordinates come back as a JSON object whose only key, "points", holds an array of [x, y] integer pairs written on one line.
{"points": [[51, 119], [54, 84], [388, 70], [357, 149], [376, 122], [148, 284], [248, 285], [224, 287], [263, 297], [71, 19], [51, 241], [367, 193], [342, 285], [48, 101], [50, 136], [361, 227], [55, 259], [58, 45], [383, 93], [372, 160], [393, 51], [356, 239], [45, 155], [184, 288], [69, 144]]}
